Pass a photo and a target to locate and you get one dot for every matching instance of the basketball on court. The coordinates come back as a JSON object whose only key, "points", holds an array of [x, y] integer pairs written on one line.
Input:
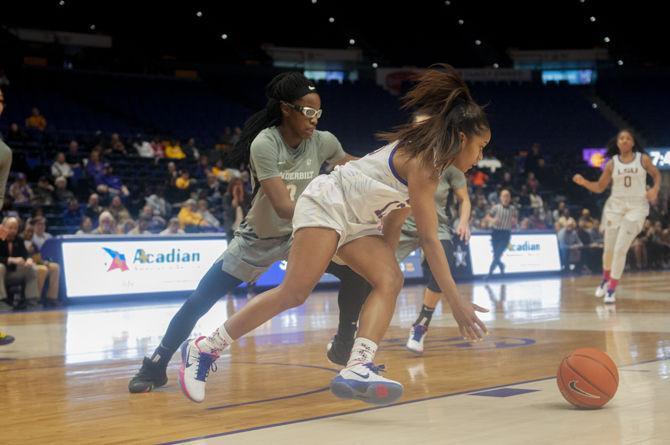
{"points": [[588, 378]]}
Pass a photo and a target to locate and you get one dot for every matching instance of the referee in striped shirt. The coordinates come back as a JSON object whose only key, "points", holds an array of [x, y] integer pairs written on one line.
{"points": [[501, 217]]}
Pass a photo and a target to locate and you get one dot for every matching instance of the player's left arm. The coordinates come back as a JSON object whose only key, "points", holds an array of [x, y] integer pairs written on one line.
{"points": [[463, 199], [347, 157], [652, 193]]}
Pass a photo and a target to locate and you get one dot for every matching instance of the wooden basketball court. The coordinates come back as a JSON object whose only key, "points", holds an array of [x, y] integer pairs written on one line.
{"points": [[65, 378]]}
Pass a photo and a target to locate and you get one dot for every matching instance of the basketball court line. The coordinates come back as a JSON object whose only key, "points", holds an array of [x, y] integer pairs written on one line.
{"points": [[374, 408]]}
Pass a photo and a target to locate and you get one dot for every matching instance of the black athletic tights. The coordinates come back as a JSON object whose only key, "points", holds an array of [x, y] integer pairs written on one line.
{"points": [[216, 283]]}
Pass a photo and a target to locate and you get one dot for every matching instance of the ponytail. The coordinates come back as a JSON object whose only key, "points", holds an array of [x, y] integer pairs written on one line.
{"points": [[444, 97]]}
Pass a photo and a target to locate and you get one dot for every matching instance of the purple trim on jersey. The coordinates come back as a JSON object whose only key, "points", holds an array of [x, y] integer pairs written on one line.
{"points": [[393, 170]]}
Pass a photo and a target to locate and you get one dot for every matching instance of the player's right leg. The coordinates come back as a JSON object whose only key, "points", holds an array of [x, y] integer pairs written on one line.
{"points": [[613, 213]]}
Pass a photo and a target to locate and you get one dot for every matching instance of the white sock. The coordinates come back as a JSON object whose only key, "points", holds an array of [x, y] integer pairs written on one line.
{"points": [[217, 342], [363, 352]]}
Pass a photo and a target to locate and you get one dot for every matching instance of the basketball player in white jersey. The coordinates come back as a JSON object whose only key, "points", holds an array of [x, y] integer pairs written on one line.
{"points": [[341, 213], [627, 207]]}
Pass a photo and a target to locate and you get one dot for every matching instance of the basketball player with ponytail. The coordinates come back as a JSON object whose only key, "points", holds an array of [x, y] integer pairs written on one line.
{"points": [[339, 215], [627, 207], [285, 152]]}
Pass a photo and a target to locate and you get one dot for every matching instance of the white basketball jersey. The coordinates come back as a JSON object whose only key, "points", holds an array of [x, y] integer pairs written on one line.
{"points": [[371, 186], [629, 180]]}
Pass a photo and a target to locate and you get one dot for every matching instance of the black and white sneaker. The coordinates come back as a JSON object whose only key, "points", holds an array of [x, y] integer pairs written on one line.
{"points": [[151, 375], [339, 349]]}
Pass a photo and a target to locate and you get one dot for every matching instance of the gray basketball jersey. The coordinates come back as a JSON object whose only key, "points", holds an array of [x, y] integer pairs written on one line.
{"points": [[271, 157]]}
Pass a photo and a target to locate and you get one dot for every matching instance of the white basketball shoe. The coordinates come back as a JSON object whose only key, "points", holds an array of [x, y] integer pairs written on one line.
{"points": [[195, 366], [363, 382]]}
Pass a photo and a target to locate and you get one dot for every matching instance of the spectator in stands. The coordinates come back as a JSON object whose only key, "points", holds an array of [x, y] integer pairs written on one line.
{"points": [[212, 188], [36, 121], [479, 178], [191, 151], [159, 148], [16, 134], [60, 167], [106, 224], [61, 194], [173, 228], [155, 222], [570, 246], [203, 209], [536, 201], [189, 217], [203, 168], [507, 181], [73, 156], [126, 227], [533, 159], [142, 227], [558, 211], [45, 269], [565, 219], [86, 227], [235, 138], [157, 201], [93, 207], [20, 191], [532, 182], [236, 205], [536, 220], [173, 150], [95, 167], [144, 149], [180, 190], [73, 214], [16, 266], [116, 146], [44, 192], [104, 195], [113, 182], [118, 211]]}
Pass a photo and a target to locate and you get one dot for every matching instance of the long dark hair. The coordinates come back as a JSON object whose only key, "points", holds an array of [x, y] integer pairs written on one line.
{"points": [[442, 95], [613, 149], [285, 87]]}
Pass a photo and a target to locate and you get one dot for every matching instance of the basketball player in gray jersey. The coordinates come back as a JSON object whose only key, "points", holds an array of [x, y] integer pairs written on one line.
{"points": [[286, 152], [5, 166]]}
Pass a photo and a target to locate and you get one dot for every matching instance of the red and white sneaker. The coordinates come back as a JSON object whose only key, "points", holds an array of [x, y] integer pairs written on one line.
{"points": [[195, 366]]}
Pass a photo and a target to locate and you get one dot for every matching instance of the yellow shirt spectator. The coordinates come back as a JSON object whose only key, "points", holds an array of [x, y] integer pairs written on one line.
{"points": [[36, 121], [174, 151], [189, 215]]}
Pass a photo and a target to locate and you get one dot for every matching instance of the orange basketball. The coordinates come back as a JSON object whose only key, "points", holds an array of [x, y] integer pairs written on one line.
{"points": [[587, 378]]}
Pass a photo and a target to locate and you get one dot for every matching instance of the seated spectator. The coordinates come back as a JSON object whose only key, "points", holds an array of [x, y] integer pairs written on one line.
{"points": [[236, 205], [585, 220], [532, 182], [212, 187], [126, 227], [142, 227], [189, 217], [203, 209], [155, 222], [183, 182], [173, 151], [93, 207], [36, 121], [558, 212], [118, 210], [86, 227], [20, 190], [536, 220], [158, 147], [144, 149], [478, 178], [536, 201], [190, 150], [116, 146], [112, 181], [565, 219], [45, 269], [104, 195], [94, 166], [62, 194], [16, 266], [106, 224], [73, 157], [16, 135], [202, 169], [507, 181], [44, 193], [173, 228], [60, 167], [570, 247], [157, 202], [73, 214], [181, 189]]}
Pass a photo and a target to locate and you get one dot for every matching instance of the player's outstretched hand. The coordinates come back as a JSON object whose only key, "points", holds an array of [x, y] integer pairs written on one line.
{"points": [[463, 232], [471, 327]]}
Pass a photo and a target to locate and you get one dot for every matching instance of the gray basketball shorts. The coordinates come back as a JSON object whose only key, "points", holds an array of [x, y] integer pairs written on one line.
{"points": [[248, 257]]}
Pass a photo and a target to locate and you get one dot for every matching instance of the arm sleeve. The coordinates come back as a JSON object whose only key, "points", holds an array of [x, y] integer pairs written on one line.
{"points": [[330, 147], [264, 159]]}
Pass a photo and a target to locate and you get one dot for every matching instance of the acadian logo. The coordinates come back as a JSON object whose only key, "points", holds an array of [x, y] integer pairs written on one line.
{"points": [[525, 247], [171, 256]]}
